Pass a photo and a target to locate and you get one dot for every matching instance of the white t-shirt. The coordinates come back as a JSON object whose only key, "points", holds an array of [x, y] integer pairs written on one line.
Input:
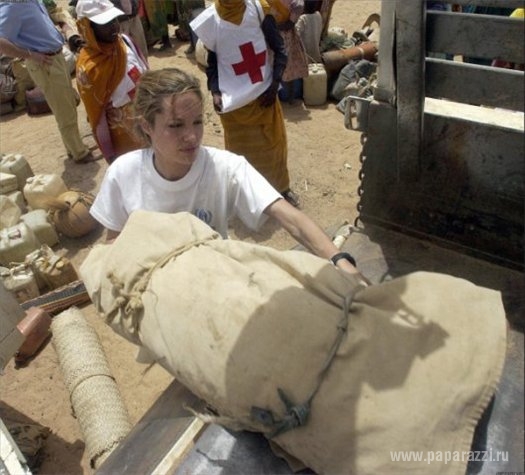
{"points": [[218, 186]]}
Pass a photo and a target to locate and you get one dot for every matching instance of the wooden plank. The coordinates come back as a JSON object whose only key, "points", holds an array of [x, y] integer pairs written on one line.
{"points": [[495, 87], [496, 118], [477, 36], [12, 461], [160, 438], [483, 163], [385, 90], [479, 234], [490, 3], [11, 313], [180, 448], [410, 86]]}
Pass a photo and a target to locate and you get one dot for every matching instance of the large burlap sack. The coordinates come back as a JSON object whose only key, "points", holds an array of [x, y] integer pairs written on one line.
{"points": [[245, 327]]}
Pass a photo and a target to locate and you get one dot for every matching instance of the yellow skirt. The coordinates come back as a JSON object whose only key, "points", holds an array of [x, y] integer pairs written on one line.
{"points": [[258, 133]]}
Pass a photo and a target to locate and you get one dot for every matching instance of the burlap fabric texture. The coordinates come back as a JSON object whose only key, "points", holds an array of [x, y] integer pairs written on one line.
{"points": [[248, 328]]}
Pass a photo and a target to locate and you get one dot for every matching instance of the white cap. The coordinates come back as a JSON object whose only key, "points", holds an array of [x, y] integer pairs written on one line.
{"points": [[97, 11]]}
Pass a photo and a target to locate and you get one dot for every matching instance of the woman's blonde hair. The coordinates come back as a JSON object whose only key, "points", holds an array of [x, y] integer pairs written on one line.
{"points": [[153, 88]]}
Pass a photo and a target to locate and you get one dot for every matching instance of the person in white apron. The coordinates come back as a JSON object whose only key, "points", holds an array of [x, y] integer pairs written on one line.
{"points": [[246, 61]]}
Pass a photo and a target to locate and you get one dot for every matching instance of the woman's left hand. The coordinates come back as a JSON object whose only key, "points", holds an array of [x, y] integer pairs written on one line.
{"points": [[217, 101], [267, 98]]}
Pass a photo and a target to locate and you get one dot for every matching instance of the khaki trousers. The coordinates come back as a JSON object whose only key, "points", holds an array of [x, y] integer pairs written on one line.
{"points": [[55, 83]]}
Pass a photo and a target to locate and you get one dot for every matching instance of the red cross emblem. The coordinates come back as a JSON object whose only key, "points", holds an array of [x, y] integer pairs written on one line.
{"points": [[251, 63]]}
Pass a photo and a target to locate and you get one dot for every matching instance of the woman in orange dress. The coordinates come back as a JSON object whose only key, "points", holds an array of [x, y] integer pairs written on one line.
{"points": [[108, 69]]}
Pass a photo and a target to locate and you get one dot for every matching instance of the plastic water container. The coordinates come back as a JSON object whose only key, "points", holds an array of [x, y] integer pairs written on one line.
{"points": [[16, 164], [315, 85], [51, 270], [21, 282], [8, 183], [16, 242], [17, 198], [39, 189], [38, 221], [9, 212]]}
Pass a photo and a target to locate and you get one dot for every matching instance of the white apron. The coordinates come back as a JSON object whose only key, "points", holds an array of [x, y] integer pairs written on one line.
{"points": [[244, 60]]}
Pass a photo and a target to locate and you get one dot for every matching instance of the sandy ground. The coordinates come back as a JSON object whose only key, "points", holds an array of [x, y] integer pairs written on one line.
{"points": [[324, 166]]}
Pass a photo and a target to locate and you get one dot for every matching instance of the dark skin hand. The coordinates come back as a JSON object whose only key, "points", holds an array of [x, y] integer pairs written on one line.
{"points": [[267, 98], [75, 43], [217, 101]]}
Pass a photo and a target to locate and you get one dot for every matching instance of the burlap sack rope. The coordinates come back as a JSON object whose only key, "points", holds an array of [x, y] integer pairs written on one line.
{"points": [[297, 414], [131, 301]]}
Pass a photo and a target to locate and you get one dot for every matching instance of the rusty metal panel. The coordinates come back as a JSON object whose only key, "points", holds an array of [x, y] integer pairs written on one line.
{"points": [[410, 58], [386, 81], [495, 87], [476, 35], [470, 189], [491, 3]]}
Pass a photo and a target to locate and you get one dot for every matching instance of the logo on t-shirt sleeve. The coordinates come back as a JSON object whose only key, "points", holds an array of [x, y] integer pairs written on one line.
{"points": [[204, 215]]}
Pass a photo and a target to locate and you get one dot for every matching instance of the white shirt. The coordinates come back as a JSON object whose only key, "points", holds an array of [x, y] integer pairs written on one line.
{"points": [[218, 186]]}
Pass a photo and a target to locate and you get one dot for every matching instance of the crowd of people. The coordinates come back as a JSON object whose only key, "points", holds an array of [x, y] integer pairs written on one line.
{"points": [[148, 124]]}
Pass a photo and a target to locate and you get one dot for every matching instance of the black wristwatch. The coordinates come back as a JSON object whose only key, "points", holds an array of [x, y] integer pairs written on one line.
{"points": [[342, 255]]}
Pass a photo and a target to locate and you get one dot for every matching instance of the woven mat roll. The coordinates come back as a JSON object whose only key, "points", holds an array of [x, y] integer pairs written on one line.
{"points": [[94, 393]]}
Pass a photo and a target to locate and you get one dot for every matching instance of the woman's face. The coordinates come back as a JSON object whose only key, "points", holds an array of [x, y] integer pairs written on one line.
{"points": [[107, 33], [177, 132]]}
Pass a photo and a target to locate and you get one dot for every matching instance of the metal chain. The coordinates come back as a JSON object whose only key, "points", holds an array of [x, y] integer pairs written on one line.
{"points": [[360, 190]]}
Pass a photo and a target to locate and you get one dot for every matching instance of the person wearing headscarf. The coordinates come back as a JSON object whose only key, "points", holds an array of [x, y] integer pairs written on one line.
{"points": [[108, 69], [286, 13], [246, 61]]}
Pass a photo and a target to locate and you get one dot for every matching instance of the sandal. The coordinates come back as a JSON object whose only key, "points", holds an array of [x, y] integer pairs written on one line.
{"points": [[291, 197], [88, 158]]}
